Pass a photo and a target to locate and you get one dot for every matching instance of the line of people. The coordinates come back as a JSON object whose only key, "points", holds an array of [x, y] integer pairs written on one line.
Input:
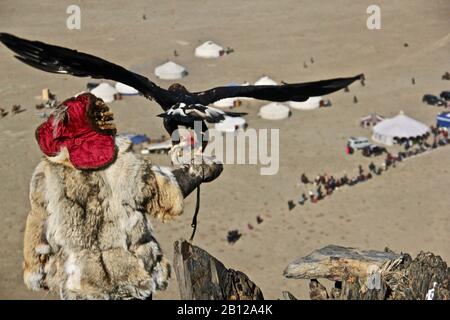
{"points": [[324, 185]]}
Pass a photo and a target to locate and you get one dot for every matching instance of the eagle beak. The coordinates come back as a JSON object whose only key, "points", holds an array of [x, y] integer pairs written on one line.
{"points": [[162, 115]]}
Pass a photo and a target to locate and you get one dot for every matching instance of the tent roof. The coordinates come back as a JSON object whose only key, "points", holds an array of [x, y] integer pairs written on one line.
{"points": [[170, 71], [265, 81], [372, 117], [311, 103], [125, 89], [400, 126], [104, 91], [226, 102], [208, 49], [274, 111], [230, 124], [443, 119], [444, 116]]}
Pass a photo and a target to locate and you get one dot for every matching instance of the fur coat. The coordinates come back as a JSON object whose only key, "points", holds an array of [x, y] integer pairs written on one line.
{"points": [[88, 234]]}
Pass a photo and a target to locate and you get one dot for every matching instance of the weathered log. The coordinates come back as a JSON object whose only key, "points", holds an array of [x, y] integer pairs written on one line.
{"points": [[317, 291], [373, 275], [414, 281], [202, 277], [352, 289], [337, 263]]}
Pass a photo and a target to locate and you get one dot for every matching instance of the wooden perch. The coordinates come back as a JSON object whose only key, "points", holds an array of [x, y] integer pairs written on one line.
{"points": [[372, 275], [336, 263], [202, 277]]}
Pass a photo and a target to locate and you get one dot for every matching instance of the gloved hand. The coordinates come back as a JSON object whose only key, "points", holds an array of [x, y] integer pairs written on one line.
{"points": [[201, 169]]}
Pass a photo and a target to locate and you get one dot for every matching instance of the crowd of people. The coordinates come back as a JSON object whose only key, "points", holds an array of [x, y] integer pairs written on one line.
{"points": [[325, 185]]}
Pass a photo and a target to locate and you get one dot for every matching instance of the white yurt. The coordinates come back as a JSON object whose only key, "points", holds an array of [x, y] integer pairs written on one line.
{"points": [[125, 89], [209, 50], [170, 71], [398, 127], [225, 103], [105, 91], [231, 124], [310, 104], [274, 111], [265, 81]]}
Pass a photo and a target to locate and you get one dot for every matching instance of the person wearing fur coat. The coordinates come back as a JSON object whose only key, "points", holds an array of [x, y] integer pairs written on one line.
{"points": [[88, 234]]}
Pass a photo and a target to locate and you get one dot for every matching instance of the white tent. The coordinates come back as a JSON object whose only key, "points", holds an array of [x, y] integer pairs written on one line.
{"points": [[209, 50], [125, 89], [310, 104], [231, 124], [105, 92], [225, 103], [274, 111], [265, 81], [170, 71], [400, 127]]}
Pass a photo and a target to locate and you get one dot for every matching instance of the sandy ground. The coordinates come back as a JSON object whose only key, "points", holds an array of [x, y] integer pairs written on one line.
{"points": [[405, 209]]}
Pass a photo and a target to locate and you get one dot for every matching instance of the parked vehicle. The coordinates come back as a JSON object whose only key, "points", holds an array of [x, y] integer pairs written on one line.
{"points": [[157, 147], [358, 143], [445, 95], [433, 100], [373, 150]]}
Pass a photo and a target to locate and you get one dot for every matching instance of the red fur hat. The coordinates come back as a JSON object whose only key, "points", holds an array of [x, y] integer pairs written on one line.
{"points": [[74, 125]]}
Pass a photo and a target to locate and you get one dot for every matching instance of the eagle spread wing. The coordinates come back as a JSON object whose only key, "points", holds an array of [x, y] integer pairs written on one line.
{"points": [[57, 59], [287, 92]]}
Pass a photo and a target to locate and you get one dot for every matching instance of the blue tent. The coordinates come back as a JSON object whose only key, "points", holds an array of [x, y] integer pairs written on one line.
{"points": [[135, 138], [139, 138], [443, 120]]}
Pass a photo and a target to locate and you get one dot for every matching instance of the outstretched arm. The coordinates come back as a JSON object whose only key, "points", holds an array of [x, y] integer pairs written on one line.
{"points": [[189, 177], [36, 249]]}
